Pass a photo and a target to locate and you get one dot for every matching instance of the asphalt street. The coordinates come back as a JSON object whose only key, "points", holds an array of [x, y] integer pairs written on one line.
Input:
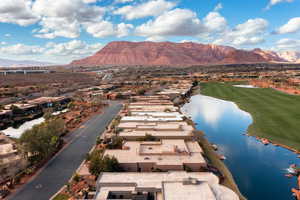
{"points": [[59, 169]]}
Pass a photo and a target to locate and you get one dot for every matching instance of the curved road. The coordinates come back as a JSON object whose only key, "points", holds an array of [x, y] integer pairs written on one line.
{"points": [[59, 169]]}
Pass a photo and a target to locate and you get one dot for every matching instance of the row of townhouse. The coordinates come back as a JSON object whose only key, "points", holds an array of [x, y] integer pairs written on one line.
{"points": [[160, 156]]}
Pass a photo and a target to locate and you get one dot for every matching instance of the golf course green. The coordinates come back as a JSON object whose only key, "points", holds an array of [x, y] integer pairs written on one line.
{"points": [[276, 115]]}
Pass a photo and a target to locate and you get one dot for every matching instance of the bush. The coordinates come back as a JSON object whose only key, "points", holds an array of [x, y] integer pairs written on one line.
{"points": [[141, 91], [148, 137], [118, 130], [105, 164], [98, 140], [115, 143], [76, 178]]}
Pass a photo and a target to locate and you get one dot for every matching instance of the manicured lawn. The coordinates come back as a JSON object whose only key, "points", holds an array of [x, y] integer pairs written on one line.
{"points": [[276, 115]]}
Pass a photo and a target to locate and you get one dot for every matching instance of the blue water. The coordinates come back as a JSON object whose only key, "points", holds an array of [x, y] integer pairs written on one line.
{"points": [[257, 169]]}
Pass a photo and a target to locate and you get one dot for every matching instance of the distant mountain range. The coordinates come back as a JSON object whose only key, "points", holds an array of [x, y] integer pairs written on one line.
{"points": [[22, 63], [291, 56], [169, 53]]}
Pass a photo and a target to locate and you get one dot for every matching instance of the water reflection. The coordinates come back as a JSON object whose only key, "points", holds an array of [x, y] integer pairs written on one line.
{"points": [[258, 169], [212, 110]]}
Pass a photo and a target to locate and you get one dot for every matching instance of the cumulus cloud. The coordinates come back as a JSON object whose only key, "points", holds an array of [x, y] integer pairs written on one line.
{"points": [[21, 49], [177, 22], [218, 7], [60, 52], [74, 49], [213, 27], [150, 8], [65, 17], [214, 22], [90, 1], [17, 12], [292, 26], [106, 29], [123, 1], [249, 33], [288, 44], [274, 2]]}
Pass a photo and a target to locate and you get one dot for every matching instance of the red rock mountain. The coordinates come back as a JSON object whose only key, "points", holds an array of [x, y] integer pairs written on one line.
{"points": [[168, 53]]}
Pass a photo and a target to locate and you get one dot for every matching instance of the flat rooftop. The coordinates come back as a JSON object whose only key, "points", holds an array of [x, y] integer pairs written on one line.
{"points": [[164, 152], [156, 126], [149, 118], [158, 114], [156, 97], [152, 102], [153, 108], [135, 134], [172, 185]]}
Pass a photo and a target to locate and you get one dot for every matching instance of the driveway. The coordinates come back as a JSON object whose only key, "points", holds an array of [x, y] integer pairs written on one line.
{"points": [[59, 169]]}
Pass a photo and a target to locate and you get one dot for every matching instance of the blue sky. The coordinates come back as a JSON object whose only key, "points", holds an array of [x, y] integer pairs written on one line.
{"points": [[59, 31]]}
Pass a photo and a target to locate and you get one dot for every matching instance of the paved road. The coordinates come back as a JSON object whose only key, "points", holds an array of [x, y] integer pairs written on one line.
{"points": [[59, 170]]}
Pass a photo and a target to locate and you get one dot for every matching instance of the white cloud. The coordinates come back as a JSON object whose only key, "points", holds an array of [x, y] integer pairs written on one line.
{"points": [[274, 2], [292, 26], [156, 39], [51, 52], [73, 49], [65, 17], [150, 8], [249, 33], [218, 7], [214, 22], [3, 43], [123, 1], [105, 29], [17, 12], [214, 27], [90, 1], [7, 35], [177, 22], [21, 49], [288, 44]]}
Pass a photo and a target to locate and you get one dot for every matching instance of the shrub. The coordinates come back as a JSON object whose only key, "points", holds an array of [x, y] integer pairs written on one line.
{"points": [[148, 137], [105, 164], [76, 178], [115, 143]]}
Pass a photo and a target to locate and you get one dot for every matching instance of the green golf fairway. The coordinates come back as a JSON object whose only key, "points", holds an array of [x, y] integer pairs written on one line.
{"points": [[276, 115]]}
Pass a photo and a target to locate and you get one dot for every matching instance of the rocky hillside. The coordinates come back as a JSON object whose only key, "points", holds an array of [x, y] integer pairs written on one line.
{"points": [[168, 53], [290, 56]]}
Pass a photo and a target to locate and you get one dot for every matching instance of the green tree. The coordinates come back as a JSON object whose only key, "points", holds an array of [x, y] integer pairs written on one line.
{"points": [[42, 140], [95, 162], [115, 143], [100, 164]]}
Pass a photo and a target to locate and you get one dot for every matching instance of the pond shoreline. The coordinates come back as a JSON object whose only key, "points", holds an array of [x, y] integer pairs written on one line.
{"points": [[211, 154], [233, 154]]}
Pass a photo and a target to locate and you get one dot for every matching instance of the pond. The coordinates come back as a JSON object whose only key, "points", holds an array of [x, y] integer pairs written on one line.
{"points": [[259, 170], [17, 132]]}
